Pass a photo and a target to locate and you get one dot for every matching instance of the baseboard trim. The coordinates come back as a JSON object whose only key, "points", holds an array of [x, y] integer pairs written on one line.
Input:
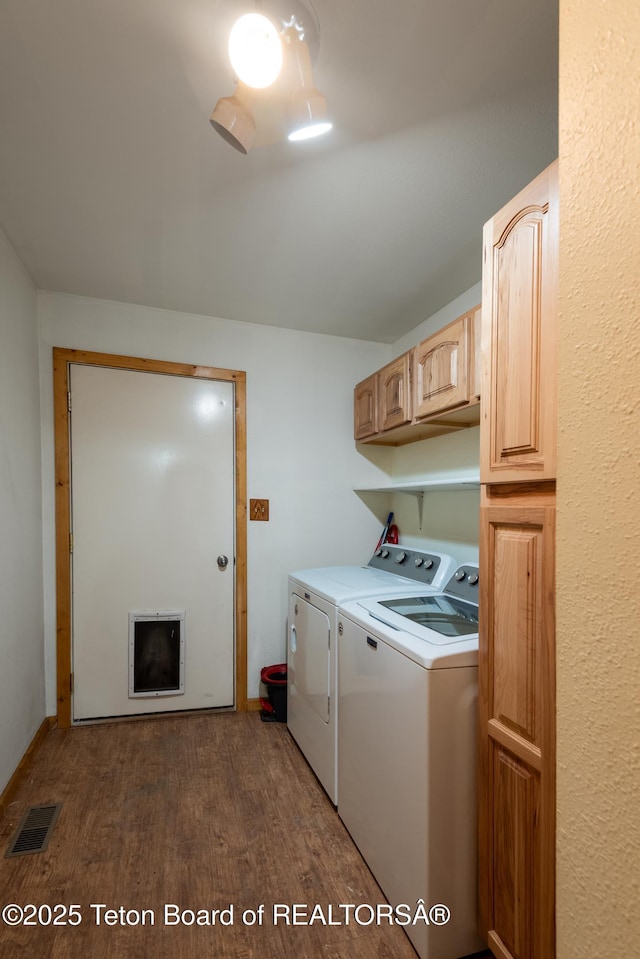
{"points": [[253, 705], [23, 766]]}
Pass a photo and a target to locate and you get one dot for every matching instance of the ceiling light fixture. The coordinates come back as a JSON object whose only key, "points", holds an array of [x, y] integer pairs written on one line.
{"points": [[307, 113], [233, 118], [255, 50], [275, 96]]}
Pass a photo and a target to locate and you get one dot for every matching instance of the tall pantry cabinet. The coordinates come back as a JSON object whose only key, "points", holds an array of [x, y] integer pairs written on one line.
{"points": [[517, 616]]}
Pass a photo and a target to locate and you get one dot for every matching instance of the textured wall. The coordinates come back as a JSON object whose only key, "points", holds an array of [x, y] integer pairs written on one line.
{"points": [[599, 481]]}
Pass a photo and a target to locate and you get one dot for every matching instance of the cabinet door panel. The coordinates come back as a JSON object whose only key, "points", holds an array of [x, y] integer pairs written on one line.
{"points": [[517, 264], [365, 407], [517, 727], [516, 626], [519, 320], [516, 793], [394, 387], [442, 369]]}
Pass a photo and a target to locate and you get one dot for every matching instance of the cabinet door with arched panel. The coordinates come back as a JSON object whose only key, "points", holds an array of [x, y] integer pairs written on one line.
{"points": [[365, 407], [444, 367], [519, 330], [394, 392]]}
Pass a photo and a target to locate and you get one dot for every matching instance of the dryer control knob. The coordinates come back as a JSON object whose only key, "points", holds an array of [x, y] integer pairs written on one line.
{"points": [[428, 563], [473, 579], [418, 562], [460, 575], [385, 553], [379, 553], [400, 558]]}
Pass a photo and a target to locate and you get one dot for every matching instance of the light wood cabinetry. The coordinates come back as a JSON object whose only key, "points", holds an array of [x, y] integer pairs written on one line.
{"points": [[517, 717], [383, 400], [365, 408], [475, 366], [430, 390], [394, 392], [443, 376], [519, 293], [517, 561]]}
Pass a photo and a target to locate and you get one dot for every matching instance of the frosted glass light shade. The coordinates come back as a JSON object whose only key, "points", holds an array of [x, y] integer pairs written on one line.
{"points": [[255, 50]]}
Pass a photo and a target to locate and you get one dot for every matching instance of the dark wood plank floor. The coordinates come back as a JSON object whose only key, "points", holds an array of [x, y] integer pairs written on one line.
{"points": [[202, 812]]}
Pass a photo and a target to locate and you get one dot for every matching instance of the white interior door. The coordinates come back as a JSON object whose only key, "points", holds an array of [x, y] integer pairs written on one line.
{"points": [[152, 504]]}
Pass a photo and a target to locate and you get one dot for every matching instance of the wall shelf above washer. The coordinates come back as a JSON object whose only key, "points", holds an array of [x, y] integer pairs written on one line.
{"points": [[418, 488]]}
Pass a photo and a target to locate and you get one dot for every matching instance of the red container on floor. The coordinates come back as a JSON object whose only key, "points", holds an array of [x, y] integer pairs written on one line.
{"points": [[275, 680]]}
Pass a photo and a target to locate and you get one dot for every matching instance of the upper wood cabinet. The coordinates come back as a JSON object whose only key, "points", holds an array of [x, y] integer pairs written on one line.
{"points": [[383, 400], [429, 390], [519, 329], [475, 365], [365, 407], [394, 392], [442, 369]]}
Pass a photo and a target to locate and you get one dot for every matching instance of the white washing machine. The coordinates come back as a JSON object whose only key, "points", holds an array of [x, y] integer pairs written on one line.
{"points": [[407, 727], [312, 647]]}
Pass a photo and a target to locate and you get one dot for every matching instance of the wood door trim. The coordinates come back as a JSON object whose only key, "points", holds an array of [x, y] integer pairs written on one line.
{"points": [[62, 358]]}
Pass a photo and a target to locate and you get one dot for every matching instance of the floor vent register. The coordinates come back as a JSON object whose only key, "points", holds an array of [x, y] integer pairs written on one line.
{"points": [[34, 832]]}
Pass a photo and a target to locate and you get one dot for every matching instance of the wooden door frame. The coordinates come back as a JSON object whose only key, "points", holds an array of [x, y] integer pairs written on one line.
{"points": [[62, 358]]}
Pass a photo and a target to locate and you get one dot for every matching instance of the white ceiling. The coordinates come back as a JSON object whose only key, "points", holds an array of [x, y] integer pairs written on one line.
{"points": [[113, 184]]}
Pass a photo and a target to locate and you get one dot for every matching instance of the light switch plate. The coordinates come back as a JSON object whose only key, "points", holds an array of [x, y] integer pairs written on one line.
{"points": [[259, 509]]}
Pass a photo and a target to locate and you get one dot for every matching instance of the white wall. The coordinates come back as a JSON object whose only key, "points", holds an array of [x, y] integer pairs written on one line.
{"points": [[22, 702], [450, 519], [300, 449]]}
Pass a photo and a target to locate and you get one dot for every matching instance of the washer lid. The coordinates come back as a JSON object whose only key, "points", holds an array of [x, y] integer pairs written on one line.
{"points": [[424, 645], [447, 615], [339, 584]]}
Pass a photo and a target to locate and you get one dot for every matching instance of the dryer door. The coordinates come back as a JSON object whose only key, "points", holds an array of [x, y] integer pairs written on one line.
{"points": [[309, 638]]}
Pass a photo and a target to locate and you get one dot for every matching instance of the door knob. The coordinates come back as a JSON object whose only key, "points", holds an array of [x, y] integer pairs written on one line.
{"points": [[223, 562]]}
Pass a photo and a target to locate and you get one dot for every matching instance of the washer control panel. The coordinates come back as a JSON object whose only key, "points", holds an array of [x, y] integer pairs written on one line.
{"points": [[464, 583], [412, 563]]}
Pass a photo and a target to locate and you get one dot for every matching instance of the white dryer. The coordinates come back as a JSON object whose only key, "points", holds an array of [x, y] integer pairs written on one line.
{"points": [[312, 647], [407, 762]]}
